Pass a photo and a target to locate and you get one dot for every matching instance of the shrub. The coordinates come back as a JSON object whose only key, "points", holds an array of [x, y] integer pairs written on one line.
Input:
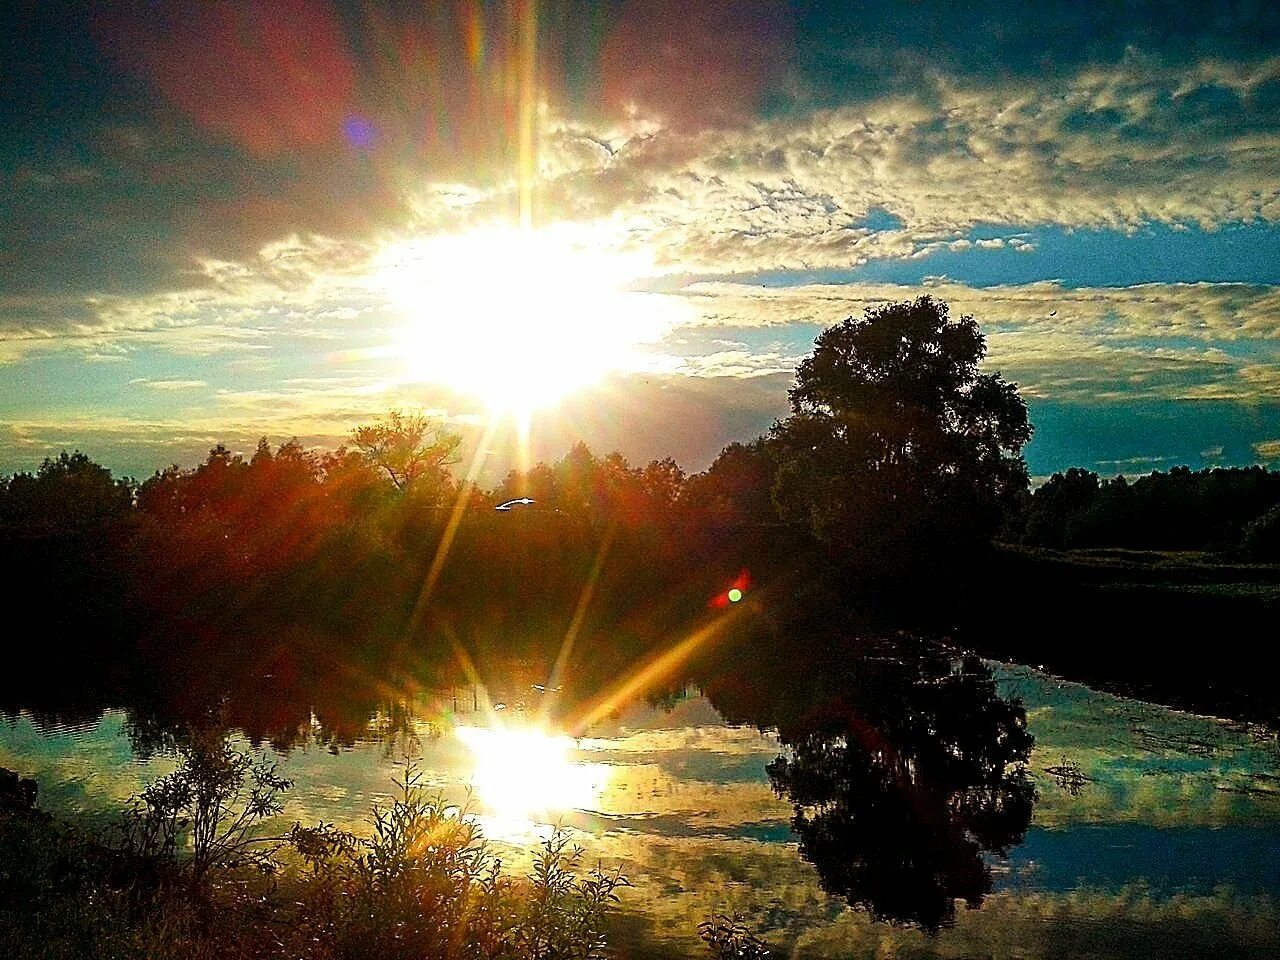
{"points": [[727, 938], [426, 884], [212, 803]]}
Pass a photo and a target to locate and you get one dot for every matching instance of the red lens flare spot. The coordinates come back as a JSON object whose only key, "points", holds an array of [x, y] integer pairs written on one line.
{"points": [[734, 593]]}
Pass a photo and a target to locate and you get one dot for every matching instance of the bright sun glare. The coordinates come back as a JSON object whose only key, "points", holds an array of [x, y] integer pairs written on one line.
{"points": [[522, 774], [520, 318]]}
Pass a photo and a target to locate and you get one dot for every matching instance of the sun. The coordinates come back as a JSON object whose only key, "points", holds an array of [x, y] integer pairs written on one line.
{"points": [[521, 317]]}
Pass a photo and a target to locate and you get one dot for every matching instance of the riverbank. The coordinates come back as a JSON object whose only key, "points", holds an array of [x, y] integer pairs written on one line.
{"points": [[1189, 629]]}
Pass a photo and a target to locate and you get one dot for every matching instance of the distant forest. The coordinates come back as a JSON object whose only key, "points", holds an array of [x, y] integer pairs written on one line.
{"points": [[330, 539], [1233, 511], [288, 496]]}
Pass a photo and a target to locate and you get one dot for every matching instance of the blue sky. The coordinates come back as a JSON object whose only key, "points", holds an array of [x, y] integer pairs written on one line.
{"points": [[225, 220]]}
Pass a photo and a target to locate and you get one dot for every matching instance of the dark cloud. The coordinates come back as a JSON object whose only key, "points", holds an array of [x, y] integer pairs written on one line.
{"points": [[271, 77], [847, 52], [696, 64]]}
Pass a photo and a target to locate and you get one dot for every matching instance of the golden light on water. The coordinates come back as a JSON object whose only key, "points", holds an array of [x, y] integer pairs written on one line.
{"points": [[521, 317], [526, 776]]}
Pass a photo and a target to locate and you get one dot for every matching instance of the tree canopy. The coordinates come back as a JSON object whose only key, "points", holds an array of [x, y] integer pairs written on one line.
{"points": [[898, 449], [414, 449]]}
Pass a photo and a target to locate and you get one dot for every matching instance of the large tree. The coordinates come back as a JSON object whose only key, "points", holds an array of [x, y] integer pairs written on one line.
{"points": [[899, 453]]}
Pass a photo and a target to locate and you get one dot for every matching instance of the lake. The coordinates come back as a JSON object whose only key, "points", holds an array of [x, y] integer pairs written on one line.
{"points": [[909, 803]]}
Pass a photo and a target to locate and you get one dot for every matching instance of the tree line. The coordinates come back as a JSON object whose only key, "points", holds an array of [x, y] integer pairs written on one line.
{"points": [[899, 465], [1234, 511]]}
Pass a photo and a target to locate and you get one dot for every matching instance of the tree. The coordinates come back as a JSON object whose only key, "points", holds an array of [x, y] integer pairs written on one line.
{"points": [[899, 453], [734, 490], [1261, 540], [214, 801], [414, 449], [68, 492]]}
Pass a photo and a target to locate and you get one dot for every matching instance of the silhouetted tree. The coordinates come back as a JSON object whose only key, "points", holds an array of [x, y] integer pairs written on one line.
{"points": [[414, 449], [1261, 539], [1058, 503], [66, 492], [735, 489], [899, 454], [1180, 509]]}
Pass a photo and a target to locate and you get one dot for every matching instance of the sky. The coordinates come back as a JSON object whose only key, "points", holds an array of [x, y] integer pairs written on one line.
{"points": [[625, 222]]}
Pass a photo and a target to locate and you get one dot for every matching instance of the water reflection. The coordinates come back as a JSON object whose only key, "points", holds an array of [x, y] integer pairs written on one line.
{"points": [[901, 786], [523, 775], [904, 767], [900, 772]]}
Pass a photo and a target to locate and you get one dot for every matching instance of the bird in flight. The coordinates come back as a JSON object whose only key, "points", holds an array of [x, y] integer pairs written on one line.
{"points": [[518, 502]]}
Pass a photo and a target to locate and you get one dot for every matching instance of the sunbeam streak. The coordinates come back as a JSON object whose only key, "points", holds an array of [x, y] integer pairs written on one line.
{"points": [[451, 528], [653, 671], [579, 616]]}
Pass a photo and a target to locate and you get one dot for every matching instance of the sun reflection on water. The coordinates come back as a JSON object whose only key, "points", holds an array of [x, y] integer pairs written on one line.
{"points": [[525, 778]]}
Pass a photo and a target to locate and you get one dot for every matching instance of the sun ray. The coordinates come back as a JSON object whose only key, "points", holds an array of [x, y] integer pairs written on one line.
{"points": [[527, 11], [460, 505], [627, 689], [579, 616]]}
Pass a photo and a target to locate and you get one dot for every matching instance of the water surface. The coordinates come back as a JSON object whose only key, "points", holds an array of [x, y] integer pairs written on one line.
{"points": [[887, 817]]}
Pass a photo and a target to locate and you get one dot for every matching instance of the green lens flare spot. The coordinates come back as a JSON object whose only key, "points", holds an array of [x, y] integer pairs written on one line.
{"points": [[735, 595]]}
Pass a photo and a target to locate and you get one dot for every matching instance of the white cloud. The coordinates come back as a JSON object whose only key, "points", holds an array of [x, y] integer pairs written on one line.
{"points": [[1112, 146], [1153, 340], [1268, 450], [168, 383]]}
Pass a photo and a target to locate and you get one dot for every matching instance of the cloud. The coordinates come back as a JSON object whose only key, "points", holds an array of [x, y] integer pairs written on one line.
{"points": [[295, 285], [736, 137], [1267, 450], [1168, 341], [172, 383], [175, 186], [1117, 146]]}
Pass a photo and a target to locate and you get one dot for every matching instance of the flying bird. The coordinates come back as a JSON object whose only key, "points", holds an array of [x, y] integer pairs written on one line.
{"points": [[518, 502]]}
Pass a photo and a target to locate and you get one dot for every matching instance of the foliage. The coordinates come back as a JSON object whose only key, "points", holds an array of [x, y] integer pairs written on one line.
{"points": [[203, 816], [426, 884], [605, 490], [736, 489], [414, 449], [67, 492], [898, 452], [902, 774], [1180, 509], [1261, 540], [728, 938]]}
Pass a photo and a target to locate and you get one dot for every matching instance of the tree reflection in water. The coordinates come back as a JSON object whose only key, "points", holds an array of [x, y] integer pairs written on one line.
{"points": [[904, 767]]}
